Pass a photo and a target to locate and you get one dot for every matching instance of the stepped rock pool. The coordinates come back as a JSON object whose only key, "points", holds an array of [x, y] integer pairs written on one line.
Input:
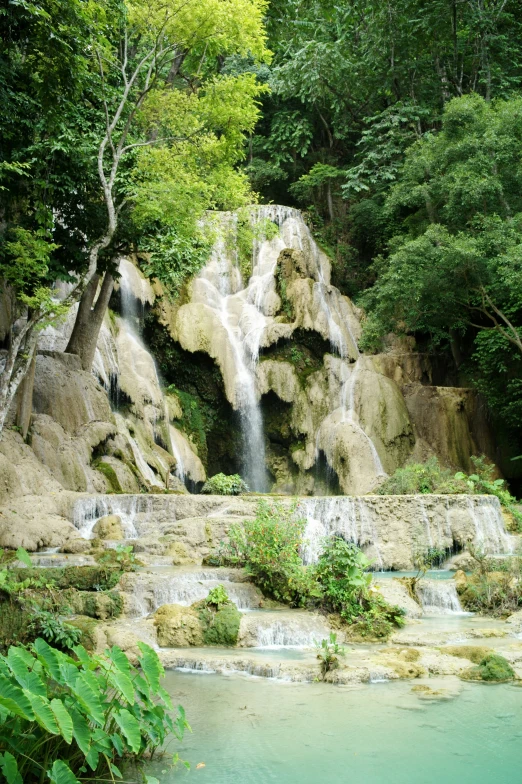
{"points": [[256, 731]]}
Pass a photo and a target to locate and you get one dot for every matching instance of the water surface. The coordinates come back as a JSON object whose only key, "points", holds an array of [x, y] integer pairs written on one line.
{"points": [[256, 731]]}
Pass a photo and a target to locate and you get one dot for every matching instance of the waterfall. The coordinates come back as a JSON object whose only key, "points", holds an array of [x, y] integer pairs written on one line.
{"points": [[184, 587], [87, 512], [349, 517], [490, 533], [286, 635], [438, 597]]}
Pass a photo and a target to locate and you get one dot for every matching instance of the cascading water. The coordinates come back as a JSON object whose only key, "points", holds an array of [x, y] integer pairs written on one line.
{"points": [[490, 533], [438, 597], [87, 512], [341, 515]]}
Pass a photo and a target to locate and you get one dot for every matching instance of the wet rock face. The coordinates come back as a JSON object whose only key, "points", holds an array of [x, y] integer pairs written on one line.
{"points": [[178, 627], [109, 527]]}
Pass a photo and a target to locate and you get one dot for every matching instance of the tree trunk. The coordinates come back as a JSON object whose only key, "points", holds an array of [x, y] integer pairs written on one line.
{"points": [[24, 408], [89, 320], [19, 357]]}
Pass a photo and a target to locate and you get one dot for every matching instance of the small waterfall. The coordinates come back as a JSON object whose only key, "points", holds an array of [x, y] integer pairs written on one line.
{"points": [[87, 512], [490, 533], [349, 517], [288, 635], [151, 591], [438, 597]]}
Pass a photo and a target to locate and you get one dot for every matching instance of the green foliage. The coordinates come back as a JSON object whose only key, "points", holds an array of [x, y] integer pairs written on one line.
{"points": [[328, 653], [121, 556], [342, 574], [345, 589], [216, 597], [268, 548], [495, 585], [431, 477], [62, 717], [53, 629], [221, 484]]}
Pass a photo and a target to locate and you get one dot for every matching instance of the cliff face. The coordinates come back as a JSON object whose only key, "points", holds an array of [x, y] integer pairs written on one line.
{"points": [[264, 378]]}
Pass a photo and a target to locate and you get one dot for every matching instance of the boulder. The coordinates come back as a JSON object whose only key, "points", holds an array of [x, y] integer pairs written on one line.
{"points": [[178, 627], [75, 546], [109, 527]]}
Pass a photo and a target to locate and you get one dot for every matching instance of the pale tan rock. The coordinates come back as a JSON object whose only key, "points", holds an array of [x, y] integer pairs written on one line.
{"points": [[395, 592], [178, 627], [76, 546], [109, 527]]}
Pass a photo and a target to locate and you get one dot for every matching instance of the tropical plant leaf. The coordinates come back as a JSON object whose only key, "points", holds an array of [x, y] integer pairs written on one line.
{"points": [[61, 773], [130, 727], [123, 684], [118, 744], [82, 655], [115, 770], [81, 731], [43, 713], [14, 699], [88, 698], [23, 556], [9, 768], [117, 656], [27, 679], [63, 718], [93, 758], [151, 665], [165, 696], [49, 657], [151, 780]]}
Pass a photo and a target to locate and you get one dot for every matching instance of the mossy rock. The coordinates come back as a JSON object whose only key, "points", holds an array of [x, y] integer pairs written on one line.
{"points": [[87, 626], [178, 627], [492, 669], [110, 475], [475, 653], [83, 578], [220, 627]]}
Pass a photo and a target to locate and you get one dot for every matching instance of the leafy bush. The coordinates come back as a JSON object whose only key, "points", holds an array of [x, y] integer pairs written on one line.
{"points": [[268, 548], [328, 652], [422, 478], [53, 629], [221, 484], [217, 597], [344, 584], [430, 477], [121, 556], [494, 587], [341, 573], [65, 718]]}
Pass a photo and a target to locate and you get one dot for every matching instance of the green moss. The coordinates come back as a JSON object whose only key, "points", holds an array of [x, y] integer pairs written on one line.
{"points": [[221, 627], [493, 668], [82, 578], [109, 473], [87, 626]]}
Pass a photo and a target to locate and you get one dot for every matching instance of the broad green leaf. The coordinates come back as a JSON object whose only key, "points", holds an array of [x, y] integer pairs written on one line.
{"points": [[130, 728], [43, 713], [81, 731], [115, 770], [14, 699], [9, 768], [151, 780], [63, 717], [151, 665], [27, 679], [88, 699], [123, 684], [61, 773], [21, 653], [165, 696], [82, 654], [49, 658], [118, 744], [92, 758], [23, 556], [117, 656]]}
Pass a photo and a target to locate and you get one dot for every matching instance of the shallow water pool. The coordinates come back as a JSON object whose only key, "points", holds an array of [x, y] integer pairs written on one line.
{"points": [[255, 731]]}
